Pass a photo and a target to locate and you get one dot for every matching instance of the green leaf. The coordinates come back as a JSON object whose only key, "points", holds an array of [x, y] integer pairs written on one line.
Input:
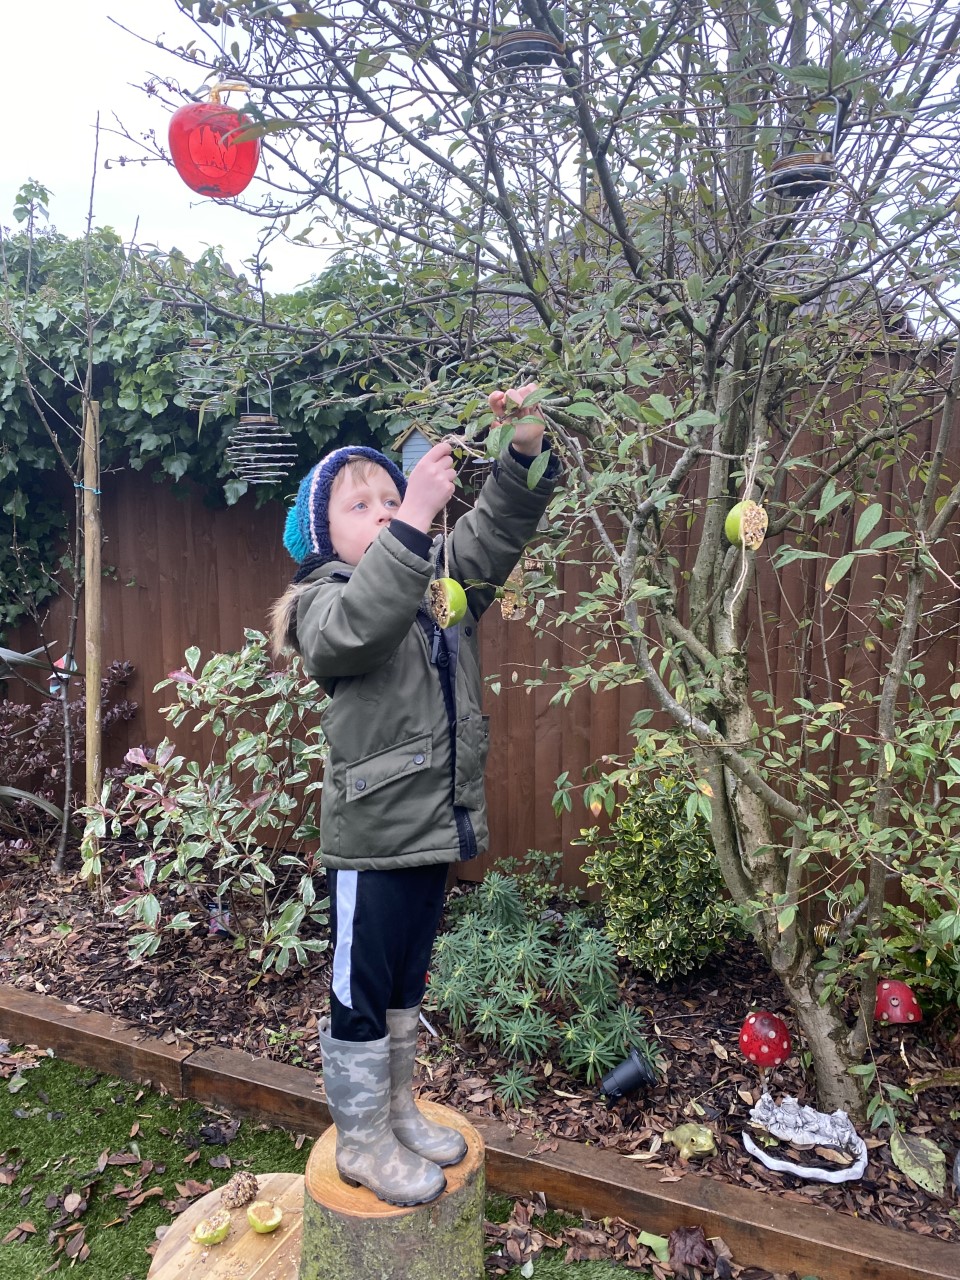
{"points": [[699, 418], [920, 1159], [810, 76], [15, 793], [786, 917], [786, 555], [536, 469], [661, 405], [868, 522], [585, 409], [892, 539], [368, 63], [261, 130], [838, 571], [659, 1245]]}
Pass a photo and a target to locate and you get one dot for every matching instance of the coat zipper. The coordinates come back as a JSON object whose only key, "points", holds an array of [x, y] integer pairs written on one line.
{"points": [[438, 657]]}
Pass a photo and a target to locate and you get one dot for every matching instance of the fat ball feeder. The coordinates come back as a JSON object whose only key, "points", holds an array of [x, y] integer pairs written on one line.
{"points": [[804, 173], [259, 449], [208, 372]]}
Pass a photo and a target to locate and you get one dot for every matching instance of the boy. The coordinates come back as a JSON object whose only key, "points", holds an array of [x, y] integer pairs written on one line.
{"points": [[403, 784]]}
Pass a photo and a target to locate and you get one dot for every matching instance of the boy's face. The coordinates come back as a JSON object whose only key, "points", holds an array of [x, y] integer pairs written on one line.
{"points": [[360, 505]]}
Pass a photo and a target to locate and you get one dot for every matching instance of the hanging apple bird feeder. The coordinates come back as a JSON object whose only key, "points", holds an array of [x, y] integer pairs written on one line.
{"points": [[206, 147], [896, 1003]]}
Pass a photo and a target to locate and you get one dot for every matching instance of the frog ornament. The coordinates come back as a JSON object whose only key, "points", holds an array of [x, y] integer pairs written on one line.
{"points": [[693, 1141]]}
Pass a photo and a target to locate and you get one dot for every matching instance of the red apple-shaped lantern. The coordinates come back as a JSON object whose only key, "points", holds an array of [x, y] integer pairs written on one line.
{"points": [[205, 150], [896, 1003], [765, 1040]]}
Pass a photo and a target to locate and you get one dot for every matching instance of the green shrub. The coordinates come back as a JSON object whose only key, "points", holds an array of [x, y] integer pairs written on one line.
{"points": [[662, 890], [536, 982], [225, 839]]}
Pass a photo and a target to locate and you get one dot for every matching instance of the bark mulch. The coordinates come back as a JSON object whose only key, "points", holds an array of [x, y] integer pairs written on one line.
{"points": [[56, 939]]}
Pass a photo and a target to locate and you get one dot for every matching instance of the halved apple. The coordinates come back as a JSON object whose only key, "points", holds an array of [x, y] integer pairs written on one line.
{"points": [[264, 1216], [746, 525], [212, 1230], [448, 601]]}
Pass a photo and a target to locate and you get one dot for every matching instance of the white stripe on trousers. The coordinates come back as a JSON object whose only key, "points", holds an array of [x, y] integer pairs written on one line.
{"points": [[346, 906]]}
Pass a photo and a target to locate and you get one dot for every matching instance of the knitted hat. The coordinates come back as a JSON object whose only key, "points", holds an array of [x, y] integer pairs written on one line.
{"points": [[307, 531]]}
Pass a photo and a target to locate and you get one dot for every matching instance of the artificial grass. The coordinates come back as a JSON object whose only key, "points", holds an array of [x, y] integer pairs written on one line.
{"points": [[122, 1149], [551, 1266], [62, 1123]]}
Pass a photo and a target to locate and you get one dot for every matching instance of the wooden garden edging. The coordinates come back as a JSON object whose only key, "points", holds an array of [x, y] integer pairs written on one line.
{"points": [[762, 1230]]}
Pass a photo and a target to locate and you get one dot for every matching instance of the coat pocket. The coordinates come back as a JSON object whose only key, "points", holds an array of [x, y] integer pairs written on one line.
{"points": [[377, 770], [473, 743]]}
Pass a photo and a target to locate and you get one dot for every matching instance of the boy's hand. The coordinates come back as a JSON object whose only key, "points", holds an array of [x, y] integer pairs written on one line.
{"points": [[429, 488], [529, 423]]}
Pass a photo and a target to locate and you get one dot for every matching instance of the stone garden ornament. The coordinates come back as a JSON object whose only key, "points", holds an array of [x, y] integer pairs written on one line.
{"points": [[804, 1127]]}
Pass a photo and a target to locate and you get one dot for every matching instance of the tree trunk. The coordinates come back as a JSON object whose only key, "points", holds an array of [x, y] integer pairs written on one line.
{"points": [[755, 866], [827, 1037]]}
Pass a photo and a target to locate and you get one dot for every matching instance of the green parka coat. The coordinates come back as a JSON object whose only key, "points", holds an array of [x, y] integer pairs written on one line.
{"points": [[403, 782]]}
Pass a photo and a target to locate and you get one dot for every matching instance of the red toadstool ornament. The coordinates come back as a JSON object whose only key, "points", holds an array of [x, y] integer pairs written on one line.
{"points": [[765, 1040], [205, 150], [896, 1003]]}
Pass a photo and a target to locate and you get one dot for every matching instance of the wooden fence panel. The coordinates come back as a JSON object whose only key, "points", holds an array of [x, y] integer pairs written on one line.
{"points": [[189, 574]]}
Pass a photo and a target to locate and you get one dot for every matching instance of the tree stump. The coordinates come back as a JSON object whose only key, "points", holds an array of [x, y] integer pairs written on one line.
{"points": [[245, 1253], [347, 1231]]}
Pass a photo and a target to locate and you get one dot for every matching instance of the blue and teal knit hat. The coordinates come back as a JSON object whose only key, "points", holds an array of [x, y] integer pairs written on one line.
{"points": [[307, 531]]}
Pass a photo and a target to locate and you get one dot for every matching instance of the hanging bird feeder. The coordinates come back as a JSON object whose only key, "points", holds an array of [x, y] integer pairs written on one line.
{"points": [[206, 147], [259, 449], [520, 49], [804, 173], [525, 50], [208, 373]]}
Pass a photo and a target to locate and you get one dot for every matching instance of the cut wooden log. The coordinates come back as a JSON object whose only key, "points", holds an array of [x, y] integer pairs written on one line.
{"points": [[347, 1231], [246, 1253]]}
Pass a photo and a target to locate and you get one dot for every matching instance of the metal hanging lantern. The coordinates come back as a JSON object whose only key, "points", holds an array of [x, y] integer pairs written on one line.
{"points": [[207, 373], [259, 449], [803, 173]]}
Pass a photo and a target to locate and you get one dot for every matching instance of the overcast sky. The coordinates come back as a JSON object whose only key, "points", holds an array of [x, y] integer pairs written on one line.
{"points": [[63, 62]]}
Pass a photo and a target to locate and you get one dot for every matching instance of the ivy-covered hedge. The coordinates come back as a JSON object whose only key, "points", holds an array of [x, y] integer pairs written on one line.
{"points": [[144, 306]]}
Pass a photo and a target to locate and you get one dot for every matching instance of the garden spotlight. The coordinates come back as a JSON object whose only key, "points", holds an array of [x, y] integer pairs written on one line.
{"points": [[635, 1072]]}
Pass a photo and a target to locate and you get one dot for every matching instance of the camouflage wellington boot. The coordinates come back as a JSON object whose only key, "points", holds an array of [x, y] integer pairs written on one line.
{"points": [[357, 1080], [434, 1142]]}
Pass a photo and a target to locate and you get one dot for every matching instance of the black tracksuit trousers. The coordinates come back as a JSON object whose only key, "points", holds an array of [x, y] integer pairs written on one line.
{"points": [[382, 926]]}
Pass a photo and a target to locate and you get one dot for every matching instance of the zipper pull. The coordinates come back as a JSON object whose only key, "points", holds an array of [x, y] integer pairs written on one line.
{"points": [[435, 650]]}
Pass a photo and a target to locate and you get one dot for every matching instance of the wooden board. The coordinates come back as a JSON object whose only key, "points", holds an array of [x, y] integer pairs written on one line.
{"points": [[90, 1039], [244, 1253], [762, 1230], [286, 1096]]}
